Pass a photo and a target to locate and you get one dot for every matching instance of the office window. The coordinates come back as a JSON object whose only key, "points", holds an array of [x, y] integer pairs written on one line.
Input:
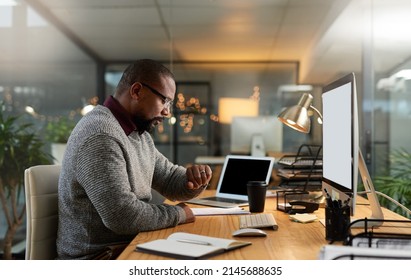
{"points": [[6, 16]]}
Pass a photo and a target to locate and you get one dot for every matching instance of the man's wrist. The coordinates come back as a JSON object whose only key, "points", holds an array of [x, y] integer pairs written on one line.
{"points": [[188, 214]]}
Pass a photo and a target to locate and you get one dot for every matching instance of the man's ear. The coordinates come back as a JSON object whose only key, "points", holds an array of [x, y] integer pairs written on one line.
{"points": [[135, 90]]}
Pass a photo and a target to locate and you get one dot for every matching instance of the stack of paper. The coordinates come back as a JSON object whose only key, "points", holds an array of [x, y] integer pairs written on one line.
{"points": [[303, 218], [210, 211]]}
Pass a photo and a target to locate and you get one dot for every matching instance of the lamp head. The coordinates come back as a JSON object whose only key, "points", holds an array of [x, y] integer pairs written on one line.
{"points": [[296, 116]]}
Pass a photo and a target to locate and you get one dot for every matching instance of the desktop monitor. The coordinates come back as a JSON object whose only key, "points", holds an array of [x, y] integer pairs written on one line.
{"points": [[342, 158], [256, 135]]}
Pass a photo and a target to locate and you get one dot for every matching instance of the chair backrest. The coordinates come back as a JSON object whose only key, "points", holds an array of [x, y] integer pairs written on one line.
{"points": [[41, 184]]}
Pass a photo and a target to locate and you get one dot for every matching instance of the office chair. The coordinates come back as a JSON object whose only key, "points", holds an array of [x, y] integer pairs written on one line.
{"points": [[41, 183]]}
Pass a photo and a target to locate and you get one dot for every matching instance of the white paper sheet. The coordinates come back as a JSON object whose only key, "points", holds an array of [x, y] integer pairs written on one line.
{"points": [[210, 211]]}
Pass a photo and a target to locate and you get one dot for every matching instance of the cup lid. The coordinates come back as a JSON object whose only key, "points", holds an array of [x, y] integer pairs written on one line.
{"points": [[256, 183]]}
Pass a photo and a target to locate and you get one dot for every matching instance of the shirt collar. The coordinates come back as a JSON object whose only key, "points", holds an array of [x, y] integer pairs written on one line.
{"points": [[120, 114]]}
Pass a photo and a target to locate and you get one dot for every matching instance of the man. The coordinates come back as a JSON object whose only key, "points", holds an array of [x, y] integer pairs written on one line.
{"points": [[111, 165]]}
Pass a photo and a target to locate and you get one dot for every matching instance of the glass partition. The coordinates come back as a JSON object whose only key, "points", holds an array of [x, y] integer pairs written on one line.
{"points": [[43, 77]]}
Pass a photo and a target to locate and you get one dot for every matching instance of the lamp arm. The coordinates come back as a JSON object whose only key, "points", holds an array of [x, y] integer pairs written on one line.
{"points": [[317, 111]]}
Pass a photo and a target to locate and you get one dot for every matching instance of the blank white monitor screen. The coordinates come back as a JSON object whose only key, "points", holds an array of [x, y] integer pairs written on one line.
{"points": [[341, 139], [243, 129], [337, 136], [342, 158]]}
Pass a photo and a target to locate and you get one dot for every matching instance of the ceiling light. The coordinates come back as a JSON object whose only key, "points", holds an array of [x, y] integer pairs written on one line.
{"points": [[86, 109], [8, 3], [405, 74]]}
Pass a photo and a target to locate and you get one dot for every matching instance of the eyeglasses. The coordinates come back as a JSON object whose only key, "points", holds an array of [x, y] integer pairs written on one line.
{"points": [[167, 102]]}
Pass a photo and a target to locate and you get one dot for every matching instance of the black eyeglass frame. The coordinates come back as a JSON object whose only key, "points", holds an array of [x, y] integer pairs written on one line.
{"points": [[167, 102]]}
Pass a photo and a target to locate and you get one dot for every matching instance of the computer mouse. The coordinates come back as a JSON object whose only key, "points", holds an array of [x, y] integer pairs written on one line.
{"points": [[249, 232]]}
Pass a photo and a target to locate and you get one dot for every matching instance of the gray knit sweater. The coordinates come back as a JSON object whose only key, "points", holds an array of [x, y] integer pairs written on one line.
{"points": [[105, 187]]}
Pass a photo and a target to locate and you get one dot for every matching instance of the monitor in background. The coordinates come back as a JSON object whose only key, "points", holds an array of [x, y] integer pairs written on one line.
{"points": [[342, 158], [256, 135]]}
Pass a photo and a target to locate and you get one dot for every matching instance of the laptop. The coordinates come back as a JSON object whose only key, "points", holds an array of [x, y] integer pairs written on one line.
{"points": [[232, 186]]}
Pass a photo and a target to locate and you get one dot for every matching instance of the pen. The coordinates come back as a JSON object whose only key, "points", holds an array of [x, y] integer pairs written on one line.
{"points": [[199, 242], [347, 201], [328, 198], [326, 192]]}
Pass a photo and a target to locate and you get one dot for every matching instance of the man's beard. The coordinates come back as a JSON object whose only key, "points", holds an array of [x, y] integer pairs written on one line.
{"points": [[144, 124]]}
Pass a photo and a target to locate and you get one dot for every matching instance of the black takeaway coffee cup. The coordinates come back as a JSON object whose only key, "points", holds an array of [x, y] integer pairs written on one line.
{"points": [[256, 191]]}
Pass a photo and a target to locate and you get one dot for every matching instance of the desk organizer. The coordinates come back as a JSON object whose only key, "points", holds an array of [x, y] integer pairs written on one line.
{"points": [[301, 174], [294, 202], [337, 220], [284, 197], [302, 171], [389, 241], [385, 236]]}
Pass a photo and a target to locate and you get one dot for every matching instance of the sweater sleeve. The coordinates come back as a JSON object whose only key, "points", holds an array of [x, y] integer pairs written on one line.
{"points": [[171, 180], [104, 171]]}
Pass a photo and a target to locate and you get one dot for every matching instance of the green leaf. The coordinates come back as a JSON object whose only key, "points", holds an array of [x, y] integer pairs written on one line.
{"points": [[398, 184], [59, 130]]}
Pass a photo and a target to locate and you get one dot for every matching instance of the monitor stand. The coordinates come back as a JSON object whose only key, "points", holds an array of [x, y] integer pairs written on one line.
{"points": [[257, 146], [375, 220], [376, 211]]}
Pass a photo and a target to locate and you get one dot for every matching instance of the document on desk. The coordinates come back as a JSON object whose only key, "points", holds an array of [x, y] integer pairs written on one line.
{"points": [[303, 218], [183, 245], [211, 211]]}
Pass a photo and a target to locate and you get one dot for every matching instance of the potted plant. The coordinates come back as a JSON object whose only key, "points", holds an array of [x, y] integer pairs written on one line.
{"points": [[57, 132], [20, 149], [397, 184]]}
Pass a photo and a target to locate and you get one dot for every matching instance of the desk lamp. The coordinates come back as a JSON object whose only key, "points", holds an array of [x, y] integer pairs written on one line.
{"points": [[297, 116]]}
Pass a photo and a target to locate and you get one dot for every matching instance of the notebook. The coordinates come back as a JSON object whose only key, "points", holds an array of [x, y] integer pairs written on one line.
{"points": [[232, 186], [183, 245]]}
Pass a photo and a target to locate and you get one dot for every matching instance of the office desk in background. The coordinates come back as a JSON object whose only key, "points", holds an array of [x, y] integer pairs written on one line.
{"points": [[292, 240]]}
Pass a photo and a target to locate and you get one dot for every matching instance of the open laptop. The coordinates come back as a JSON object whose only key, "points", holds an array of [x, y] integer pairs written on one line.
{"points": [[232, 186]]}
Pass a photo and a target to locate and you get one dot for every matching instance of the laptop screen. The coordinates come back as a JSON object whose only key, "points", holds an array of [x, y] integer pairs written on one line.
{"points": [[238, 170]]}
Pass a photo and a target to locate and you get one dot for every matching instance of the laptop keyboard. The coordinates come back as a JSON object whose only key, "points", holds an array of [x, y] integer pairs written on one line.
{"points": [[222, 199], [262, 220]]}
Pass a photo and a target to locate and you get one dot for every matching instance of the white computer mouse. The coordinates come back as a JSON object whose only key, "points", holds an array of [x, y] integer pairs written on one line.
{"points": [[249, 232]]}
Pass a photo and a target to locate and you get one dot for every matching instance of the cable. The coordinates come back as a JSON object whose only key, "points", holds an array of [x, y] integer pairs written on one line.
{"points": [[408, 211]]}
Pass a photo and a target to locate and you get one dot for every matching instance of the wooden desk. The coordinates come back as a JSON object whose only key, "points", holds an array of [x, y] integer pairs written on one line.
{"points": [[292, 241]]}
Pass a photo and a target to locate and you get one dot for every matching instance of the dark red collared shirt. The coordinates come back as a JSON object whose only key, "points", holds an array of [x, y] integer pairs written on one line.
{"points": [[120, 114]]}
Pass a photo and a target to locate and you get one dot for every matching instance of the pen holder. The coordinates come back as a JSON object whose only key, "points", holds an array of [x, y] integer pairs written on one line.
{"points": [[337, 221]]}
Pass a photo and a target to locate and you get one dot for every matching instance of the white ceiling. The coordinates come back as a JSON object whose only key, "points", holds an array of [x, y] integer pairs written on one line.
{"points": [[325, 36]]}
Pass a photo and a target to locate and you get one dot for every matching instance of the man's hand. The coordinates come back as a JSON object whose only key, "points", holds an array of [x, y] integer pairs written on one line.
{"points": [[198, 176], [189, 214]]}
